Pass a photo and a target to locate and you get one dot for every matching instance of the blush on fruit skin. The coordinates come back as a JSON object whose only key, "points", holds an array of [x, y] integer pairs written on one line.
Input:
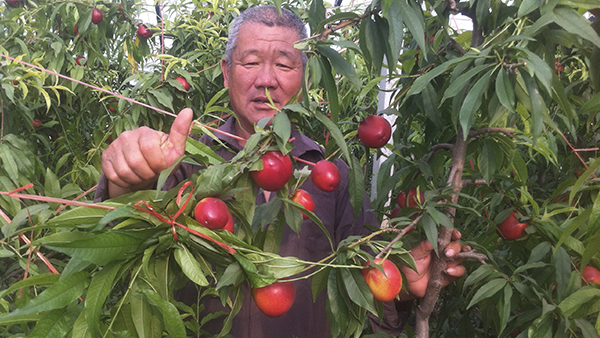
{"points": [[36, 123], [303, 198], [325, 176], [590, 275], [97, 16], [374, 131], [510, 229], [212, 213], [413, 200], [143, 32], [184, 83], [276, 172], [229, 225], [13, 2], [274, 300], [384, 287], [81, 61]]}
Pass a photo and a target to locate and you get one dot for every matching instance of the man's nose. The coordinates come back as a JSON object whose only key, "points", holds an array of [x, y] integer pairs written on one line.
{"points": [[266, 78]]}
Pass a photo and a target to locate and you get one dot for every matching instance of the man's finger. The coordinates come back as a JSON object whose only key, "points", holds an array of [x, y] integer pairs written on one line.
{"points": [[422, 250], [181, 129], [452, 249]]}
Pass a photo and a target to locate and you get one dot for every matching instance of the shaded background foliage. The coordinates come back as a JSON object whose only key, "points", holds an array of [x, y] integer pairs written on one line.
{"points": [[530, 67]]}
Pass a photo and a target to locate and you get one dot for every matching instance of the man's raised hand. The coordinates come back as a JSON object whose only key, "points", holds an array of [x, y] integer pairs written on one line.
{"points": [[135, 159]]}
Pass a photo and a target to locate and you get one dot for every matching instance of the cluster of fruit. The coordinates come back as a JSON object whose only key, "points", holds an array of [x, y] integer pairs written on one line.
{"points": [[275, 299]]}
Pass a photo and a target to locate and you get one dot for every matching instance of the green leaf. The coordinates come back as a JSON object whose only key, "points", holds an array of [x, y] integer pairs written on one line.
{"points": [[487, 291], [41, 279], [578, 222], [337, 311], [540, 68], [9, 164], [431, 231], [414, 21], [505, 90], [336, 134], [528, 6], [99, 289], [316, 15], [424, 79], [198, 148], [472, 102], [575, 23], [233, 275], [478, 275], [584, 176], [172, 319], [537, 106], [282, 126], [164, 97], [356, 186], [341, 65], [99, 249], [146, 318], [357, 288], [59, 295], [78, 216], [458, 84], [53, 324], [330, 86], [577, 299], [562, 266], [189, 265]]}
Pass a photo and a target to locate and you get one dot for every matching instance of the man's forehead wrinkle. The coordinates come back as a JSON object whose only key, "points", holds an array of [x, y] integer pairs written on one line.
{"points": [[282, 52]]}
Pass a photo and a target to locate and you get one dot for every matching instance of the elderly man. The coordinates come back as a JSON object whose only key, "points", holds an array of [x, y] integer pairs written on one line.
{"points": [[261, 56]]}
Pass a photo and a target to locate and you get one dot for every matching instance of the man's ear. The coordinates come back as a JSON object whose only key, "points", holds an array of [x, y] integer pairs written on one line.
{"points": [[225, 71]]}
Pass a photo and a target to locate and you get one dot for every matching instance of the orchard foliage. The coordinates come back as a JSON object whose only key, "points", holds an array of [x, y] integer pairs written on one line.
{"points": [[498, 119]]}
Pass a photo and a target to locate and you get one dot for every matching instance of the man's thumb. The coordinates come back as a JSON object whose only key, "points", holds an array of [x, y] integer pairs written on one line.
{"points": [[181, 129]]}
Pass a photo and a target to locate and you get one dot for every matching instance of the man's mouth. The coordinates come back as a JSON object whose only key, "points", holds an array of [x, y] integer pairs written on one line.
{"points": [[262, 100]]}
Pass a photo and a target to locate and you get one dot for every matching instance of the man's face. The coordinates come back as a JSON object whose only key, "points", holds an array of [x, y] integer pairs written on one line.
{"points": [[264, 58]]}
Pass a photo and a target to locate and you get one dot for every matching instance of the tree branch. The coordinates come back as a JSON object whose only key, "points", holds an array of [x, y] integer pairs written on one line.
{"points": [[508, 132], [474, 181], [472, 254], [438, 264], [400, 234], [325, 34]]}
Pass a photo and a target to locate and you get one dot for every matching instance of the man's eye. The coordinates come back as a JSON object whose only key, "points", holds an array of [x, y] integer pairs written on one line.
{"points": [[281, 65], [251, 64]]}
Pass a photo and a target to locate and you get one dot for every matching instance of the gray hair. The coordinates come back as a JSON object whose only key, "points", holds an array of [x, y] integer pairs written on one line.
{"points": [[268, 16]]}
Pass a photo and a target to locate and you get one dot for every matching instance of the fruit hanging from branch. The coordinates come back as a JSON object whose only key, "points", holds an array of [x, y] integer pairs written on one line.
{"points": [[143, 32], [591, 275], [184, 83], [97, 16], [212, 213], [276, 172], [511, 229], [385, 287], [413, 198], [81, 61], [274, 300], [374, 131], [303, 198], [325, 176]]}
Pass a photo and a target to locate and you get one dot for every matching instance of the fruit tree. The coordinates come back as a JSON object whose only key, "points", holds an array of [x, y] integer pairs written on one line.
{"points": [[495, 128]]}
